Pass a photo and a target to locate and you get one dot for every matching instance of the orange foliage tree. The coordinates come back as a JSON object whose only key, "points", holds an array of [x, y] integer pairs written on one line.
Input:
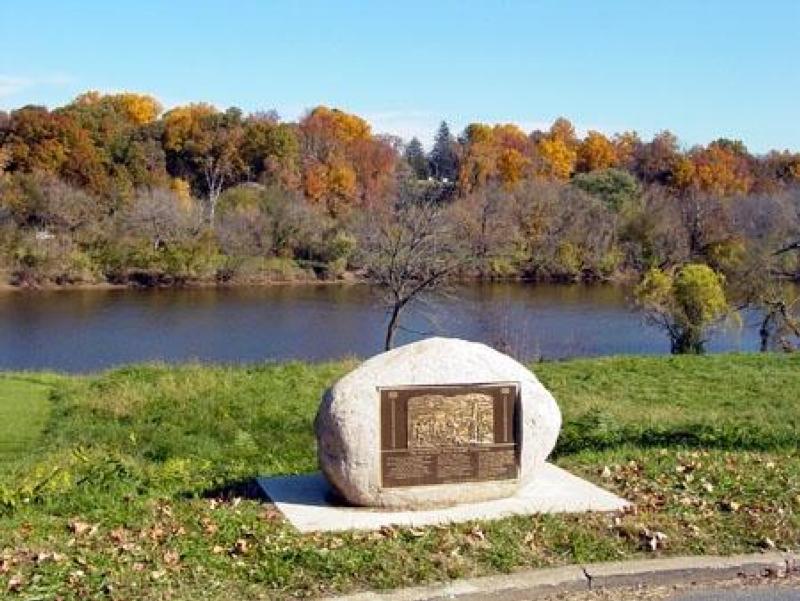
{"points": [[493, 153], [596, 152], [722, 169], [343, 163]]}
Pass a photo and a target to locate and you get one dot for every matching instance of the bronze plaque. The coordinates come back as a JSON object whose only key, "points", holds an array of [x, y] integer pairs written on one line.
{"points": [[444, 434]]}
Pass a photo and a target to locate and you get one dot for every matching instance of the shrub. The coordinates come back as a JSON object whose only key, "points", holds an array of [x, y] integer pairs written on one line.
{"points": [[685, 304]]}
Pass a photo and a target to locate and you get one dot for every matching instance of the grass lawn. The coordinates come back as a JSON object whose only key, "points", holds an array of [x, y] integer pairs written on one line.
{"points": [[24, 408], [139, 485]]}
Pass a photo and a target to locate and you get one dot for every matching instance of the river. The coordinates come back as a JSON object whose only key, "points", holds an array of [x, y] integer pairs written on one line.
{"points": [[89, 330]]}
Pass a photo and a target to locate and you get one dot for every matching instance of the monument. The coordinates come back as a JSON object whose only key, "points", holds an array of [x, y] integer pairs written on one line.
{"points": [[435, 423], [435, 431]]}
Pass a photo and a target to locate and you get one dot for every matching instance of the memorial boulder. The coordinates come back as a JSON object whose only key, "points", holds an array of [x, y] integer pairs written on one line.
{"points": [[435, 423]]}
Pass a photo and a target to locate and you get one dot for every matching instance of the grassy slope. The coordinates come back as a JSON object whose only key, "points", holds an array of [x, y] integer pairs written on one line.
{"points": [[705, 446], [24, 409]]}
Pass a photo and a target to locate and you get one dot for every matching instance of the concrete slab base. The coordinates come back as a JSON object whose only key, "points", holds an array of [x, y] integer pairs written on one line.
{"points": [[308, 503]]}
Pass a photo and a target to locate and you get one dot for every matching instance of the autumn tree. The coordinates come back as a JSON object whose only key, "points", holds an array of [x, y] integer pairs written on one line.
{"points": [[499, 153], [204, 146], [596, 152], [138, 109], [123, 133], [655, 161], [343, 163], [35, 140], [563, 130], [626, 147], [557, 151], [271, 151], [722, 169]]}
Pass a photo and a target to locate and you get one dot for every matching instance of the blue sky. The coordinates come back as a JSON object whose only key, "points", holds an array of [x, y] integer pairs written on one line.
{"points": [[703, 69]]}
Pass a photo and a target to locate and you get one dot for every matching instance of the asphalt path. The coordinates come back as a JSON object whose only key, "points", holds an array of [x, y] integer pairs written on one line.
{"points": [[766, 593]]}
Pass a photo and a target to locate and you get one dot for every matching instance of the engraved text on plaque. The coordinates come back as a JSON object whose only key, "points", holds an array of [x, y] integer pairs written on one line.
{"points": [[443, 434]]}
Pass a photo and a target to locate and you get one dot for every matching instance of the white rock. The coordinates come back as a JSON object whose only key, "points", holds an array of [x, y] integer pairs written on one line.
{"points": [[348, 421]]}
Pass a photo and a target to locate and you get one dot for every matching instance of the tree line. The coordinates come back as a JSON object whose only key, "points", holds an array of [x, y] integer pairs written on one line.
{"points": [[112, 188]]}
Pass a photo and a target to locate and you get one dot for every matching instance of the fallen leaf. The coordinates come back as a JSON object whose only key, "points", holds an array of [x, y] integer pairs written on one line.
{"points": [[15, 584], [240, 547], [270, 514], [652, 540], [731, 506], [118, 535], [476, 537], [766, 543], [79, 527], [388, 532], [209, 527]]}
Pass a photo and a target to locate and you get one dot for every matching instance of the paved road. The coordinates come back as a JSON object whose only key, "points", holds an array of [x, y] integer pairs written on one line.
{"points": [[767, 593], [732, 590]]}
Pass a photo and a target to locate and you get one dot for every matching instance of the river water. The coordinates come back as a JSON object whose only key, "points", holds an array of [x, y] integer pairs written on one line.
{"points": [[88, 330]]}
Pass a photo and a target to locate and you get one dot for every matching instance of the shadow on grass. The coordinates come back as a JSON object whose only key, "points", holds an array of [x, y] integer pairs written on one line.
{"points": [[598, 430], [246, 488]]}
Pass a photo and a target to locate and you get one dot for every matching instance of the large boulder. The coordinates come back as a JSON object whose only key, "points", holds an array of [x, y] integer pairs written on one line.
{"points": [[348, 424]]}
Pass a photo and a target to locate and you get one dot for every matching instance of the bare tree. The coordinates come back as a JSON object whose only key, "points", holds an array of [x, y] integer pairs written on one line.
{"points": [[408, 253], [160, 216]]}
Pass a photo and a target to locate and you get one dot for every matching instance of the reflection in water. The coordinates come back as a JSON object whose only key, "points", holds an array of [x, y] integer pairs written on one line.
{"points": [[85, 330]]}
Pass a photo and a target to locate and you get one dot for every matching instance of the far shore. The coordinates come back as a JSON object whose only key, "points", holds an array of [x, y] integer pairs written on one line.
{"points": [[349, 279], [50, 287]]}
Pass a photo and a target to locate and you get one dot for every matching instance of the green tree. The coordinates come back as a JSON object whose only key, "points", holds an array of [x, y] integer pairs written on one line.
{"points": [[444, 159], [686, 304], [415, 157], [614, 187]]}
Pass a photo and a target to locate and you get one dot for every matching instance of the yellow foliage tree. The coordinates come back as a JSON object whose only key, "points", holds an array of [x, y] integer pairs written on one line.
{"points": [[139, 108], [596, 152], [184, 123], [183, 192], [685, 303], [557, 158], [563, 130], [625, 146], [136, 108]]}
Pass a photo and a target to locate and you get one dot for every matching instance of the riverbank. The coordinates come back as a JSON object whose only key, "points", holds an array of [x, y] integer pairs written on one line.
{"points": [[138, 481], [282, 272]]}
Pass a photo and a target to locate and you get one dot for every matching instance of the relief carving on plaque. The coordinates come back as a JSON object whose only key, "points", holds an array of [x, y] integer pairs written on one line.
{"points": [[436, 420], [448, 434]]}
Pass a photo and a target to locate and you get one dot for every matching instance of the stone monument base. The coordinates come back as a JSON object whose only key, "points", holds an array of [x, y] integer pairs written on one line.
{"points": [[310, 504]]}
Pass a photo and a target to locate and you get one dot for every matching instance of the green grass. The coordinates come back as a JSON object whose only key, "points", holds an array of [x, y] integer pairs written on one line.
{"points": [[140, 483], [24, 408]]}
